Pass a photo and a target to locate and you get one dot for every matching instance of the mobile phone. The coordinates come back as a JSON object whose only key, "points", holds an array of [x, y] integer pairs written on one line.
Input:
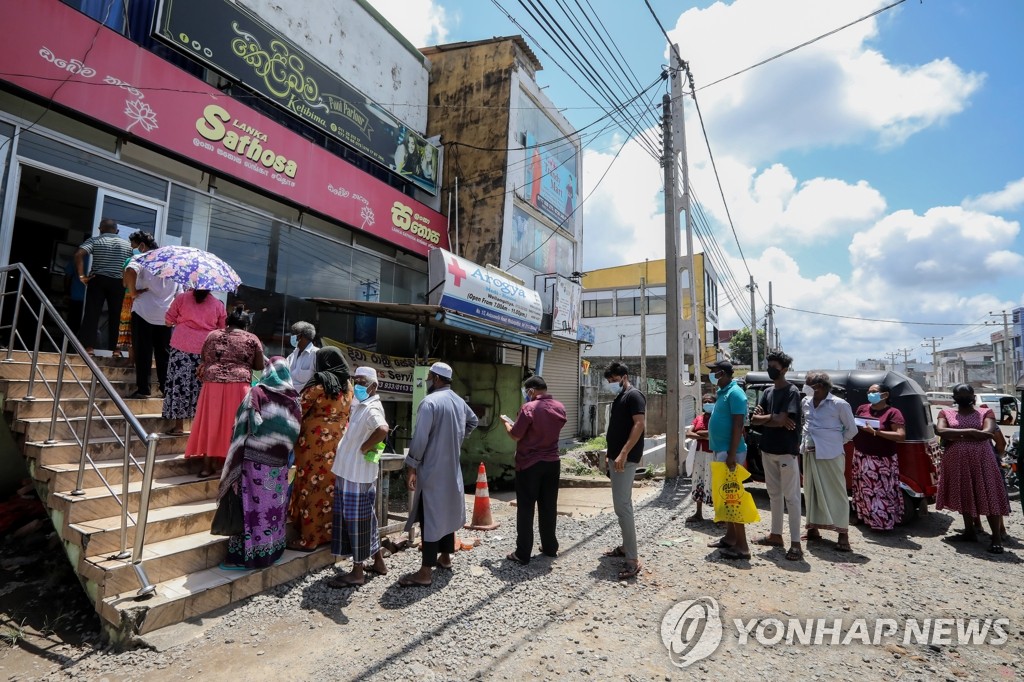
{"points": [[506, 419]]}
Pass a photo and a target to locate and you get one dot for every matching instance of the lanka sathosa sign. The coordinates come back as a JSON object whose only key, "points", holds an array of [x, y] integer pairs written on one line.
{"points": [[465, 287], [64, 56], [240, 45]]}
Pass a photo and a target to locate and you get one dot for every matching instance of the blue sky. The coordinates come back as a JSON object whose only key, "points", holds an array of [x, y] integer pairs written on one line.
{"points": [[878, 173]]}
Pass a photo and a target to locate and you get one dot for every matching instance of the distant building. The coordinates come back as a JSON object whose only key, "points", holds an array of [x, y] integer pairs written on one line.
{"points": [[972, 365]]}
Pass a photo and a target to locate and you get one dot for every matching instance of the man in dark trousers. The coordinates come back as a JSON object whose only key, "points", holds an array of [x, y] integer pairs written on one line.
{"points": [[104, 284], [536, 431], [626, 425], [778, 415]]}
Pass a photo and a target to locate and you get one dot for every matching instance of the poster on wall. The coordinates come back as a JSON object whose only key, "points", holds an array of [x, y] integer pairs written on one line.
{"points": [[394, 373], [240, 45], [550, 182], [463, 286], [538, 247], [565, 308]]}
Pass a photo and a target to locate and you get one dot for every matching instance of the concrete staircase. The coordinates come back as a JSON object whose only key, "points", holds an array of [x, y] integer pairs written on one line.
{"points": [[180, 555]]}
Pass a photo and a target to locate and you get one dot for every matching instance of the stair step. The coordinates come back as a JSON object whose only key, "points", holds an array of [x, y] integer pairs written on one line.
{"points": [[97, 503], [23, 370], [38, 428], [100, 449], [47, 358], [16, 389], [102, 537], [198, 593], [163, 560], [63, 477], [42, 408]]}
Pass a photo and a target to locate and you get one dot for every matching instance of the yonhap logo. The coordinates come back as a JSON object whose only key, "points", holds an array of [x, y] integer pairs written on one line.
{"points": [[691, 631]]}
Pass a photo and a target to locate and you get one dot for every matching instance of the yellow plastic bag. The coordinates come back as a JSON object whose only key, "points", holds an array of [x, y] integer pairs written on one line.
{"points": [[733, 504]]}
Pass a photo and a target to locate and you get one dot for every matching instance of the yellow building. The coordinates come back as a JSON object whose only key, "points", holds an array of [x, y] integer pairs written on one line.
{"points": [[612, 301]]}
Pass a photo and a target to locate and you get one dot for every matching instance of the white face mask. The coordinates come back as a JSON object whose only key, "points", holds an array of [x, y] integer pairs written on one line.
{"points": [[709, 407], [808, 391]]}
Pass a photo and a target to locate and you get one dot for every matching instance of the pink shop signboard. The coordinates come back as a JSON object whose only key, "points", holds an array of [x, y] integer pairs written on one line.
{"points": [[49, 49]]}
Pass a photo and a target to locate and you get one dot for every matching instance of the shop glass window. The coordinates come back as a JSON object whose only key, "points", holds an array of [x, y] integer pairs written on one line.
{"points": [[656, 305], [106, 171], [243, 239], [598, 308]]}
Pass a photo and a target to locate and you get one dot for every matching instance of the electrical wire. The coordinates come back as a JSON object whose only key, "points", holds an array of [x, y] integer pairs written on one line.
{"points": [[874, 319]]}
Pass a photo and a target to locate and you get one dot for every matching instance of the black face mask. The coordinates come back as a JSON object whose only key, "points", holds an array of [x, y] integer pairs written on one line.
{"points": [[774, 373]]}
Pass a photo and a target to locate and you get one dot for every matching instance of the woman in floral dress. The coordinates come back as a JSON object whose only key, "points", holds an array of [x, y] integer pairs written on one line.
{"points": [[969, 479], [877, 498], [701, 474], [326, 401]]}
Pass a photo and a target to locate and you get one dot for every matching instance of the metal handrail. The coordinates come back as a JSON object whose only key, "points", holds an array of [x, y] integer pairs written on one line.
{"points": [[132, 423]]}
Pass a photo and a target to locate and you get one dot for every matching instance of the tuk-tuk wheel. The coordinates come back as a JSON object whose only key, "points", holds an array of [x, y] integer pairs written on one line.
{"points": [[912, 508]]}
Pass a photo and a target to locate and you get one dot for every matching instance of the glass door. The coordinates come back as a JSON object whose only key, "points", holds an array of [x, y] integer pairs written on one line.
{"points": [[130, 214]]}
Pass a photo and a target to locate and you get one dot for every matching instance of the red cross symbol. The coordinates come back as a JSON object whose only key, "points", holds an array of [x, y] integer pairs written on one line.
{"points": [[457, 273]]}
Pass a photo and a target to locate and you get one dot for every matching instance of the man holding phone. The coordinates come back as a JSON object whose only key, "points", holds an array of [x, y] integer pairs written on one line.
{"points": [[536, 431]]}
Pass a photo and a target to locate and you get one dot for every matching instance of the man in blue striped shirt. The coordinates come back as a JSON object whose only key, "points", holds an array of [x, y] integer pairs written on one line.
{"points": [[104, 284]]}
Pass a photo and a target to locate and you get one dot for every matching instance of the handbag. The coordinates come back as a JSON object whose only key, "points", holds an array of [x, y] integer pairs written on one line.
{"points": [[228, 518], [733, 503], [691, 455]]}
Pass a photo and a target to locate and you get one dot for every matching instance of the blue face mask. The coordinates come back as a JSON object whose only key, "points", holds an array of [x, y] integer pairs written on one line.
{"points": [[709, 407], [616, 388], [136, 252], [874, 398], [361, 393], [526, 395], [294, 340]]}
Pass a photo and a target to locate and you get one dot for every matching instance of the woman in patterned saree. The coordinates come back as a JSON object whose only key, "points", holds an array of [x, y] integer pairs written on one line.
{"points": [[266, 426]]}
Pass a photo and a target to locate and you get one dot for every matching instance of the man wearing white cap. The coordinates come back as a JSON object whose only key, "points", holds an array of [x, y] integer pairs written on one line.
{"points": [[434, 473], [355, 531]]}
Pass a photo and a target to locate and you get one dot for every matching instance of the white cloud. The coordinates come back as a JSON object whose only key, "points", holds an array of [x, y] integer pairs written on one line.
{"points": [[1009, 198], [423, 22], [837, 91]]}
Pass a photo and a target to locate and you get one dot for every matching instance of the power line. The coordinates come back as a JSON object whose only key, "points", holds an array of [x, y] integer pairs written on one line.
{"points": [[874, 319], [804, 44]]}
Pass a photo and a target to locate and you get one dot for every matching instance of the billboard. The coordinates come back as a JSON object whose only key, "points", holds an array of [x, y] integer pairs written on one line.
{"points": [[463, 286], [549, 174], [238, 44]]}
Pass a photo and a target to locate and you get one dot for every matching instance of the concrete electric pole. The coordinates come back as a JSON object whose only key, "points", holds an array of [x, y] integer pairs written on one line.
{"points": [[936, 379]]}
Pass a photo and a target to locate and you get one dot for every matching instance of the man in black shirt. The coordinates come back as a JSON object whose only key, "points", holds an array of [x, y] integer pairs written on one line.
{"points": [[626, 425], [778, 415]]}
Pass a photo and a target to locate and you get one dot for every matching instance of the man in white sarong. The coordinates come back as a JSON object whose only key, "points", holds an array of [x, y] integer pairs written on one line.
{"points": [[434, 474]]}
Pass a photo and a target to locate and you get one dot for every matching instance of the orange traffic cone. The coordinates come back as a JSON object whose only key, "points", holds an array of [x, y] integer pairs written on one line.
{"points": [[482, 504]]}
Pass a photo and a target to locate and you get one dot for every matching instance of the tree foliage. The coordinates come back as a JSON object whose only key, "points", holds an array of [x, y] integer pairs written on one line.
{"points": [[739, 346]]}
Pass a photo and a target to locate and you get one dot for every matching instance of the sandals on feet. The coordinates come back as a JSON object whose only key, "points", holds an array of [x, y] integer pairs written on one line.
{"points": [[630, 571], [733, 555], [719, 544], [995, 548], [767, 541], [341, 582], [204, 474], [844, 546], [795, 554], [370, 568], [512, 556], [694, 518], [408, 581], [617, 552]]}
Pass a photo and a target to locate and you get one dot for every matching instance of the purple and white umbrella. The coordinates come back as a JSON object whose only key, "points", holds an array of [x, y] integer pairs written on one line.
{"points": [[192, 268]]}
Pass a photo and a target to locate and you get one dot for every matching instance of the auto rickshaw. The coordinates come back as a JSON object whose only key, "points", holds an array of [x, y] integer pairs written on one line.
{"points": [[918, 455]]}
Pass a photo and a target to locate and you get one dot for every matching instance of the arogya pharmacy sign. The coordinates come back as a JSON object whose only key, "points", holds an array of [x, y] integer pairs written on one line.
{"points": [[463, 286]]}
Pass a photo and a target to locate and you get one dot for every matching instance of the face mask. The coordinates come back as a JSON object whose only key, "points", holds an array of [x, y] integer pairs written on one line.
{"points": [[774, 373], [136, 252], [526, 395], [294, 340], [808, 391], [709, 407], [615, 388], [874, 398], [361, 392]]}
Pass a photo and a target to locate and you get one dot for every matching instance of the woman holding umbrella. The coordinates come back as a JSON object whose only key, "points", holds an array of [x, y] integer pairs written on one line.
{"points": [[228, 358]]}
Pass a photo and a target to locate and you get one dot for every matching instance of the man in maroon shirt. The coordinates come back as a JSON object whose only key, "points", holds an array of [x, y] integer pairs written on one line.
{"points": [[535, 431]]}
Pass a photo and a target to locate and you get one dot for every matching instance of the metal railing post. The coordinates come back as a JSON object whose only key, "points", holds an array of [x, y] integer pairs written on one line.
{"points": [[3, 291], [14, 320], [85, 438], [147, 588], [124, 553], [57, 391], [35, 353]]}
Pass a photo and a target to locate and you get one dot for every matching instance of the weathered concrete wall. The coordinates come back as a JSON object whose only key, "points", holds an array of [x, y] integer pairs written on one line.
{"points": [[351, 40], [469, 103]]}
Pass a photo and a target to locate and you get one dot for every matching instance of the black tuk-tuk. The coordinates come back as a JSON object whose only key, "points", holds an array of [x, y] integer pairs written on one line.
{"points": [[918, 455]]}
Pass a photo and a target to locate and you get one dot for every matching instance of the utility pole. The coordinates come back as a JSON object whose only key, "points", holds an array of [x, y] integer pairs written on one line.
{"points": [[936, 382], [754, 364], [643, 334], [1009, 385], [621, 337], [693, 387], [673, 312], [769, 338]]}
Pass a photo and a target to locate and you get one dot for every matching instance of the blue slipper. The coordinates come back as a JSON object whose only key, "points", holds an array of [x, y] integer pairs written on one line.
{"points": [[233, 567]]}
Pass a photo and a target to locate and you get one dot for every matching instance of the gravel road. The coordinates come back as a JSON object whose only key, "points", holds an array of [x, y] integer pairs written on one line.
{"points": [[570, 618]]}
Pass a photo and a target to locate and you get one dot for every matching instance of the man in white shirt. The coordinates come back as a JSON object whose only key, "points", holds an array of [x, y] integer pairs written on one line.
{"points": [[302, 361], [355, 489]]}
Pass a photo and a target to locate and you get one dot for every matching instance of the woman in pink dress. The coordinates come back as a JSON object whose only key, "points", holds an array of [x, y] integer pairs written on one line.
{"points": [[969, 479], [877, 498], [228, 358], [193, 314]]}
